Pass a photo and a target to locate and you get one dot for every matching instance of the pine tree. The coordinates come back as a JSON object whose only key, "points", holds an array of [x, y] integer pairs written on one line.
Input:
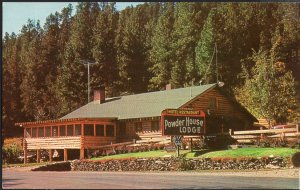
{"points": [[183, 45], [161, 52], [73, 74], [205, 51], [11, 102], [104, 49]]}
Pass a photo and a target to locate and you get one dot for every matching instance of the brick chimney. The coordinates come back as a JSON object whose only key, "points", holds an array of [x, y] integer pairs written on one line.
{"points": [[99, 95], [168, 87]]}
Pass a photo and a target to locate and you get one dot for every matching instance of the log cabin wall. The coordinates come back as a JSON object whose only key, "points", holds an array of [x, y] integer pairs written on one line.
{"points": [[218, 106], [137, 129]]}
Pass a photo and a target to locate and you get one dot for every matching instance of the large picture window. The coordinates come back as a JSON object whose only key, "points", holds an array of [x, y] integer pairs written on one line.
{"points": [[77, 129], [69, 130], [88, 130], [28, 132], [48, 131], [99, 130], [110, 130], [34, 132], [54, 131], [62, 130], [41, 131]]}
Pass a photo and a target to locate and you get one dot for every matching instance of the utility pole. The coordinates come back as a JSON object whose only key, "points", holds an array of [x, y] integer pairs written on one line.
{"points": [[85, 62]]}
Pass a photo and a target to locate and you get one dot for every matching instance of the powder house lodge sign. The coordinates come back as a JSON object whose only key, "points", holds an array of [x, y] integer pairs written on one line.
{"points": [[183, 122]]}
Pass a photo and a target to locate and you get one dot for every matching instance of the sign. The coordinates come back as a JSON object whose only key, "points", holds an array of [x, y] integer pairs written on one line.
{"points": [[183, 122], [170, 148], [178, 140]]}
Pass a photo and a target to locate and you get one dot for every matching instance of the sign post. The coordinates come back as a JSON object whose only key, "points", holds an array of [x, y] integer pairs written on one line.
{"points": [[178, 143]]}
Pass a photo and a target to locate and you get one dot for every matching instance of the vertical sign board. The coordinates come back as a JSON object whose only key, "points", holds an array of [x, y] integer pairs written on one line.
{"points": [[183, 122]]}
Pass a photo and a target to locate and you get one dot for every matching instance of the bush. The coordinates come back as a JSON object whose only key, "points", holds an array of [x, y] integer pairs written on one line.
{"points": [[11, 150], [199, 144], [269, 142], [219, 141], [184, 165], [296, 159]]}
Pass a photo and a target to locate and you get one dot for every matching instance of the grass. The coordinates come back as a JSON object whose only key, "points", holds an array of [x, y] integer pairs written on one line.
{"points": [[241, 152], [250, 152], [24, 165], [155, 153]]}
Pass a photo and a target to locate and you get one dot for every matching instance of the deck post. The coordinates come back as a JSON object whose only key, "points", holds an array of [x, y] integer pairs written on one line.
{"points": [[81, 147], [65, 154], [50, 155], [261, 135], [82, 129], [38, 155], [25, 151]]}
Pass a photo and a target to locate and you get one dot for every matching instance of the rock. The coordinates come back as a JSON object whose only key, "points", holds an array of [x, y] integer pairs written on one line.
{"points": [[272, 166]]}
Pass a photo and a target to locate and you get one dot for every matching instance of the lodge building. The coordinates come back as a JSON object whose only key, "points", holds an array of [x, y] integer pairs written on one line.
{"points": [[106, 121]]}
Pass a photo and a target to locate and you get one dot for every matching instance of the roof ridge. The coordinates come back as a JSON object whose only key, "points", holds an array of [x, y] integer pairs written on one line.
{"points": [[163, 90]]}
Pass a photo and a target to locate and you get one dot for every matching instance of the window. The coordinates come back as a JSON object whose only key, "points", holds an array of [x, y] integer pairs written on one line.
{"points": [[41, 131], [54, 131], [110, 131], [69, 130], [88, 129], [212, 102], [138, 127], [62, 130], [99, 130], [34, 132], [122, 129], [77, 129], [28, 132], [48, 131], [155, 126]]}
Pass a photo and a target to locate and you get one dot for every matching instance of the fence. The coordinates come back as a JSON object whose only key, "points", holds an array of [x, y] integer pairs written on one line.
{"points": [[255, 135]]}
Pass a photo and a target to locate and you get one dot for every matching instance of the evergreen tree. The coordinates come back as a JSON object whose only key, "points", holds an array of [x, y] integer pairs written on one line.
{"points": [[11, 101], [183, 45], [161, 52], [104, 49], [205, 51], [73, 75]]}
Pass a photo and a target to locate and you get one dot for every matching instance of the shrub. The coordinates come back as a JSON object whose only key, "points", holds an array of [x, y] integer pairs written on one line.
{"points": [[184, 165], [295, 144], [11, 150], [219, 142], [296, 159]]}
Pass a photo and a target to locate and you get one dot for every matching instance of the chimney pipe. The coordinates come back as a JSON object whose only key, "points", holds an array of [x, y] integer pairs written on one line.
{"points": [[168, 87], [99, 95]]}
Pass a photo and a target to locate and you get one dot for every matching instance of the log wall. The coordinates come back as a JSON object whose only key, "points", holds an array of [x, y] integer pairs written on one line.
{"points": [[224, 107], [94, 142], [52, 143]]}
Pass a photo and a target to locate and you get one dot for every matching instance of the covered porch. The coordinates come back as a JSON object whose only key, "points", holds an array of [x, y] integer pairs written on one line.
{"points": [[64, 134]]}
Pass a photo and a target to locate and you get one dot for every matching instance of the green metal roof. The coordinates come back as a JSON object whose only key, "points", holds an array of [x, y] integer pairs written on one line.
{"points": [[149, 104]]}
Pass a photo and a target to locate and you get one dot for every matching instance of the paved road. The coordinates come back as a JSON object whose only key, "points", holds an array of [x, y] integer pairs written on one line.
{"points": [[133, 180]]}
